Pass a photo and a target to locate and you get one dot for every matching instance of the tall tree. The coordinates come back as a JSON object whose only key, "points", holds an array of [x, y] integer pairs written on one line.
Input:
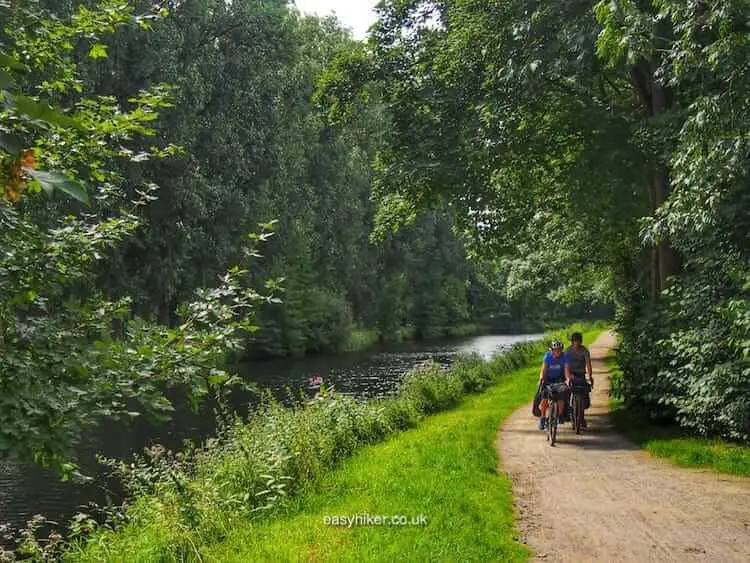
{"points": [[69, 356], [570, 137]]}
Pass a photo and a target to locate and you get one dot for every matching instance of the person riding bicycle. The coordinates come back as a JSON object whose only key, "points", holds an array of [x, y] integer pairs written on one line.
{"points": [[578, 362], [552, 379]]}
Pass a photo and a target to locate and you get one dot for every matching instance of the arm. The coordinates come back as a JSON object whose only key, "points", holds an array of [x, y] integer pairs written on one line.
{"points": [[541, 372], [567, 373], [588, 367]]}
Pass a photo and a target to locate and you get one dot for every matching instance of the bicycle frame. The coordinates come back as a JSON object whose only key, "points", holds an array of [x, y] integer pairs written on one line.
{"points": [[552, 421]]}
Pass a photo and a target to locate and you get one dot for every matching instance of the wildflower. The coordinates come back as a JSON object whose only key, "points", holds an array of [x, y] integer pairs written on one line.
{"points": [[16, 183]]}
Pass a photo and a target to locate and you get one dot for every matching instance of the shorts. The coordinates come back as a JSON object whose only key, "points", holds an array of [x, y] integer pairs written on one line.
{"points": [[579, 382]]}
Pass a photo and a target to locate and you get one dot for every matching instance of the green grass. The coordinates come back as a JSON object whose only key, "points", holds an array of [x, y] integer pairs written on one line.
{"points": [[406, 333], [362, 339], [673, 444], [444, 469]]}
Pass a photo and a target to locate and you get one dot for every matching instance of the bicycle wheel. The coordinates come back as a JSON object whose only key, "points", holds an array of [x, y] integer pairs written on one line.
{"points": [[552, 422], [577, 412]]}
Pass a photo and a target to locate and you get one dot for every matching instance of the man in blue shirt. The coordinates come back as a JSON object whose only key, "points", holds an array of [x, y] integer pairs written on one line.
{"points": [[552, 377]]}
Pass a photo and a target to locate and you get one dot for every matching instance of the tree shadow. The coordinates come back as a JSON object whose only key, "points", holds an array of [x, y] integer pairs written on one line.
{"points": [[600, 434], [637, 427]]}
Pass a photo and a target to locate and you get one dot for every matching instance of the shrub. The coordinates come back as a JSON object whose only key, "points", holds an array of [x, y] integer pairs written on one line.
{"points": [[689, 360]]}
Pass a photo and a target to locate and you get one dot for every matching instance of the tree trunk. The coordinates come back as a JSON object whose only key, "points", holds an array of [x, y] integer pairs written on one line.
{"points": [[656, 99], [669, 262], [165, 314]]}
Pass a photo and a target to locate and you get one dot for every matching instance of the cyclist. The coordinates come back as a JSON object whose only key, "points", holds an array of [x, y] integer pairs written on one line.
{"points": [[552, 379], [578, 364]]}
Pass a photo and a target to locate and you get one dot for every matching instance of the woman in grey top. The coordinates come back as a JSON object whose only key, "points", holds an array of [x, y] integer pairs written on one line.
{"points": [[578, 361]]}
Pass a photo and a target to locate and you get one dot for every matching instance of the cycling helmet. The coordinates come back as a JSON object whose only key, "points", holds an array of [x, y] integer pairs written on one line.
{"points": [[555, 345]]}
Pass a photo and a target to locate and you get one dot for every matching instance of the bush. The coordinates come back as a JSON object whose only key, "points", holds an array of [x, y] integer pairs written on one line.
{"points": [[689, 360], [431, 389], [310, 318]]}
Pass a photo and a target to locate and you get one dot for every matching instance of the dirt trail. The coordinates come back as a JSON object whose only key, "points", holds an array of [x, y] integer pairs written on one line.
{"points": [[597, 497]]}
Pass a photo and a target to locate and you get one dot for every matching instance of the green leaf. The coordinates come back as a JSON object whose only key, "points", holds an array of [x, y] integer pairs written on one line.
{"points": [[11, 143], [9, 62], [217, 378], [67, 469], [24, 297], [43, 112], [98, 51], [6, 80], [51, 181]]}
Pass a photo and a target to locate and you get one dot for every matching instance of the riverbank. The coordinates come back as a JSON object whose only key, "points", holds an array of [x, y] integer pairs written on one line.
{"points": [[673, 444], [444, 470], [288, 454], [25, 491]]}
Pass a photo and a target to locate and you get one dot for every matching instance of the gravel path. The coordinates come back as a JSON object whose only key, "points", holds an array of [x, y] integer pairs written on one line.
{"points": [[597, 497]]}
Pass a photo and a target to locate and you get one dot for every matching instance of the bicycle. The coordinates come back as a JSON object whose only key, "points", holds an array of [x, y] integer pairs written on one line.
{"points": [[579, 404], [552, 394]]}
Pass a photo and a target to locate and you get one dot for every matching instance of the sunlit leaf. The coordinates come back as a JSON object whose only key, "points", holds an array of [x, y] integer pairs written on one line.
{"points": [[98, 51], [140, 157], [52, 181], [217, 378], [44, 112]]}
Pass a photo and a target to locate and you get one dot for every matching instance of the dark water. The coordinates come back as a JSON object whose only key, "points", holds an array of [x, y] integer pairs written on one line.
{"points": [[27, 490]]}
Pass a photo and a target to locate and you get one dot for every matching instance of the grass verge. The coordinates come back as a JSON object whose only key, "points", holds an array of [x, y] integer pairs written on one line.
{"points": [[673, 443], [362, 339], [463, 330], [445, 469], [365, 338]]}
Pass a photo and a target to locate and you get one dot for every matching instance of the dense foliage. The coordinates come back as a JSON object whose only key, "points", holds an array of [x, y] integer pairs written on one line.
{"points": [[140, 142], [71, 356], [600, 149]]}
